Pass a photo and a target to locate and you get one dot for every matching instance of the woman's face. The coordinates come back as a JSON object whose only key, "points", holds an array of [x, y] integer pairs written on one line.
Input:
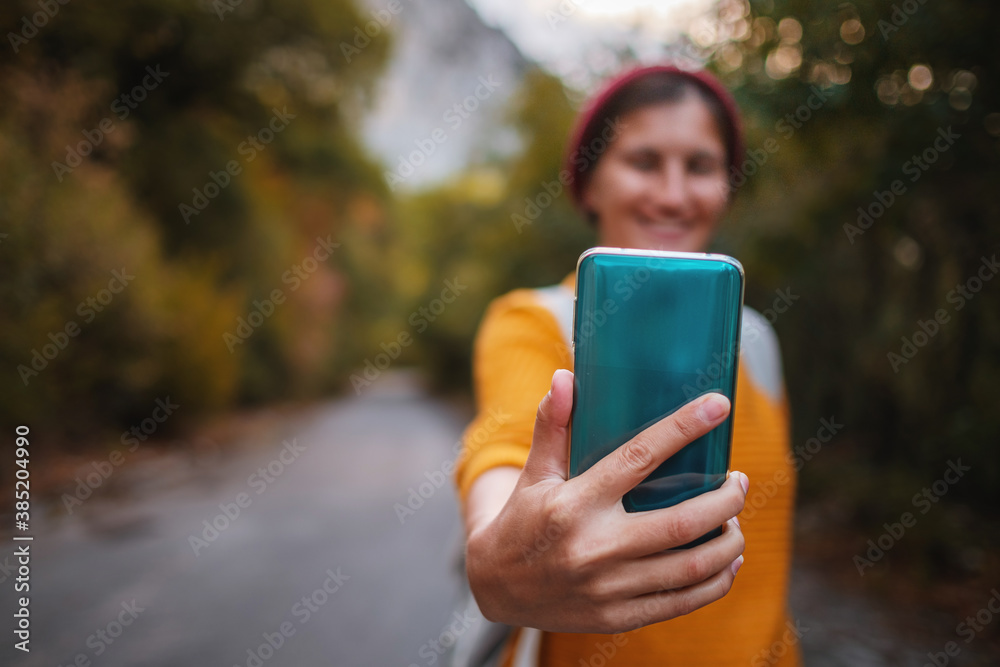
{"points": [[661, 184]]}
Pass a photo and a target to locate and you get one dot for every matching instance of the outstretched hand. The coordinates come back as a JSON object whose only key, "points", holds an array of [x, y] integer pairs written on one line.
{"points": [[563, 555]]}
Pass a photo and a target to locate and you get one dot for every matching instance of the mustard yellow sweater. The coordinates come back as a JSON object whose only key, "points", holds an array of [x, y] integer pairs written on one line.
{"points": [[521, 342]]}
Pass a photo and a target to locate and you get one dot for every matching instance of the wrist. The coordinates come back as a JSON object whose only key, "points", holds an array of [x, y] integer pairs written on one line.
{"points": [[488, 495], [481, 570]]}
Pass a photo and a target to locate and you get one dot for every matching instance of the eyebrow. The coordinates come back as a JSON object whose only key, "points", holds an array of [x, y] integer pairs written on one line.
{"points": [[646, 149]]}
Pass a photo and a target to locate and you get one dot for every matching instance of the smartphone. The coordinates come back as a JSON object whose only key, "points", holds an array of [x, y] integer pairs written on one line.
{"points": [[652, 330]]}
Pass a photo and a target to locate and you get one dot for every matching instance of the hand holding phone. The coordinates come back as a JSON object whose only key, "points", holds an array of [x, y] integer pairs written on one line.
{"points": [[652, 331], [563, 555]]}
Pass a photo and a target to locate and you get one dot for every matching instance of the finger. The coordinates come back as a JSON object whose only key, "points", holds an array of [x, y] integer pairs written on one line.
{"points": [[549, 447], [671, 570], [664, 605], [656, 530], [620, 471]]}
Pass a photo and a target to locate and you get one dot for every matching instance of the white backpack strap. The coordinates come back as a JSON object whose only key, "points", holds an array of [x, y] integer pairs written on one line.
{"points": [[761, 354], [529, 645], [558, 300], [758, 343]]}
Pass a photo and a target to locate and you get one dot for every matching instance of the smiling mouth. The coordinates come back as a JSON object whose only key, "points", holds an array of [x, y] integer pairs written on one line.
{"points": [[664, 228]]}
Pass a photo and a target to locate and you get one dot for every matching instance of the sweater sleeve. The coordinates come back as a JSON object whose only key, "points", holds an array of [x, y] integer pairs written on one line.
{"points": [[518, 348]]}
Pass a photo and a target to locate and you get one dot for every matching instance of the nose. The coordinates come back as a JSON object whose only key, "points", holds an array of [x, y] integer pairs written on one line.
{"points": [[670, 191]]}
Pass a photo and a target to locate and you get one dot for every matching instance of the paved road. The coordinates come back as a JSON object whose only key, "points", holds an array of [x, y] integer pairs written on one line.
{"points": [[327, 509], [317, 550]]}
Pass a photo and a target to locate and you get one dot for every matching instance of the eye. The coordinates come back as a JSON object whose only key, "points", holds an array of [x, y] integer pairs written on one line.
{"points": [[704, 164], [643, 160]]}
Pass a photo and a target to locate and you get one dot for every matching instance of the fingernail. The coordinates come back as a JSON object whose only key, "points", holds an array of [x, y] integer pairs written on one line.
{"points": [[737, 520], [713, 408], [745, 483], [737, 564]]}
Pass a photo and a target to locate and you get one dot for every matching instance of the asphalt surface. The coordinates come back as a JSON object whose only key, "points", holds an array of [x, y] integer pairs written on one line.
{"points": [[321, 525], [321, 566]]}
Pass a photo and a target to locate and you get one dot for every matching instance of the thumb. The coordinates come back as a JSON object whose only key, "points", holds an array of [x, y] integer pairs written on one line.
{"points": [[550, 443]]}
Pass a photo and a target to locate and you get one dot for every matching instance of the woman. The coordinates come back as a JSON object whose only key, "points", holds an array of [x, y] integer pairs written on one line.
{"points": [[563, 557]]}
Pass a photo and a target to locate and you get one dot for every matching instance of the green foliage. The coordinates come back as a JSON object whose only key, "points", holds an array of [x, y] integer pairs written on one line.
{"points": [[495, 229], [864, 286], [145, 108]]}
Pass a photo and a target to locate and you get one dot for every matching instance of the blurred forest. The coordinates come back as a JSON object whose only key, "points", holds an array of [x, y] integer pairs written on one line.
{"points": [[847, 93], [225, 72]]}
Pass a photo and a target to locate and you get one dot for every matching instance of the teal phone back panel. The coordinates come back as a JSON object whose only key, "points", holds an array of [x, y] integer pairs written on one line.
{"points": [[651, 333]]}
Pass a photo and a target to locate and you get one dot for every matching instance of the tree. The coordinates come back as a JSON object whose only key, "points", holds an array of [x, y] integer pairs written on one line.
{"points": [[209, 149]]}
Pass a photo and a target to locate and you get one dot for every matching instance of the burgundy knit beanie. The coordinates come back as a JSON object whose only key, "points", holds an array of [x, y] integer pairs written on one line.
{"points": [[593, 111]]}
